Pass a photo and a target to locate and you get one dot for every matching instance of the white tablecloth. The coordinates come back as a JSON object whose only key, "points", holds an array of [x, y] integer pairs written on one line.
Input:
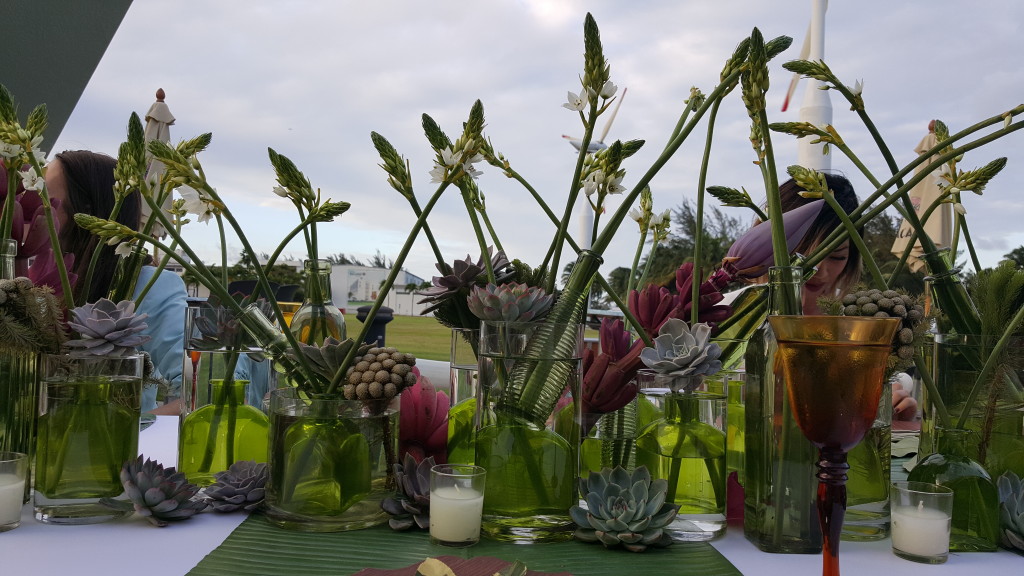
{"points": [[133, 546]]}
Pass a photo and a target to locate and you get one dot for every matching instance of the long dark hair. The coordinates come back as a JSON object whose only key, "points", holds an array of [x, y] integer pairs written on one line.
{"points": [[90, 182], [827, 221]]}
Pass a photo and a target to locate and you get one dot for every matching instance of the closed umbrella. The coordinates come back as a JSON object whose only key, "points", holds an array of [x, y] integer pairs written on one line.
{"points": [[158, 127], [939, 225]]}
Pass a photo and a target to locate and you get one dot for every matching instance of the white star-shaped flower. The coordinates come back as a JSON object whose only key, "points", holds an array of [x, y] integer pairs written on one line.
{"points": [[31, 179], [608, 90], [194, 203], [437, 174], [575, 102], [449, 157], [636, 214], [858, 87], [124, 249], [615, 186], [8, 150]]}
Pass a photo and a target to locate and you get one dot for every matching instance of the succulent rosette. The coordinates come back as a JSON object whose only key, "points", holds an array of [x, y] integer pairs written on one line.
{"points": [[680, 350], [411, 506], [624, 508], [241, 487], [107, 329], [512, 302]]}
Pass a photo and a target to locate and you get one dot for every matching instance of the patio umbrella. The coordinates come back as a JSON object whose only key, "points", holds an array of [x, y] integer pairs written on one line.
{"points": [[939, 225], [158, 122]]}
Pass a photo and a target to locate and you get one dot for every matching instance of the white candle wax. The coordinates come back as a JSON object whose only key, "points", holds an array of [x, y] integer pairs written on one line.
{"points": [[920, 531], [455, 514], [12, 492]]}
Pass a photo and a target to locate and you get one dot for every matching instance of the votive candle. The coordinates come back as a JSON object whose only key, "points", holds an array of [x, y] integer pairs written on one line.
{"points": [[12, 497], [455, 514], [920, 531]]}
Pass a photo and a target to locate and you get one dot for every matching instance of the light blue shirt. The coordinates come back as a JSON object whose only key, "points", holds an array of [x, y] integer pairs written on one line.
{"points": [[165, 304]]}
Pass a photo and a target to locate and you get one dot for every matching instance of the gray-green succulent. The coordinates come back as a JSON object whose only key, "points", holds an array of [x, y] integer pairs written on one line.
{"points": [[107, 329], [624, 508], [683, 351], [511, 302], [1011, 510]]}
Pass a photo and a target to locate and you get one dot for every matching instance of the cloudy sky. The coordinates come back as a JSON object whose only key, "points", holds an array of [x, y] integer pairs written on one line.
{"points": [[312, 79]]}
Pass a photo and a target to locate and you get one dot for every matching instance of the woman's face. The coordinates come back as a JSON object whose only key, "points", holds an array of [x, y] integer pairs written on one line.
{"points": [[57, 189], [823, 283]]}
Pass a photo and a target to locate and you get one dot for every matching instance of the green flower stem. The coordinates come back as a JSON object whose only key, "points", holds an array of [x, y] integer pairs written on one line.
{"points": [[226, 395], [194, 265], [970, 245], [468, 190], [58, 259], [426, 229], [223, 253], [698, 245], [924, 371], [385, 288], [490, 229], [681, 122], [855, 237], [993, 360], [555, 251], [569, 308], [631, 282], [152, 279], [8, 212]]}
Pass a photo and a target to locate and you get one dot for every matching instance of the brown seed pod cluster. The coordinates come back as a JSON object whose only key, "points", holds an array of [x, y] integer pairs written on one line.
{"points": [[890, 304], [378, 374]]}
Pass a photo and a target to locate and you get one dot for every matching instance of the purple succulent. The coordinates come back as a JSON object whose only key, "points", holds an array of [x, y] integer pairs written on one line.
{"points": [[458, 277]]}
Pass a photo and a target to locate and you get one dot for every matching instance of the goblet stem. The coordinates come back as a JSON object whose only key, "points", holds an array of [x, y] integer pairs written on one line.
{"points": [[832, 469]]}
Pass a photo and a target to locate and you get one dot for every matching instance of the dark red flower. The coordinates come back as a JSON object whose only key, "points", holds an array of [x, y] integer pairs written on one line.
{"points": [[423, 422]]}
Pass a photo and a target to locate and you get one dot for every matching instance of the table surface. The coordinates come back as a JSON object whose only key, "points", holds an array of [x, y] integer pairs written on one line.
{"points": [[134, 546]]}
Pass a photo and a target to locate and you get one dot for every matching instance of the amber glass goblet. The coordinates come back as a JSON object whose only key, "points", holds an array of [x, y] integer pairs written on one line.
{"points": [[833, 368]]}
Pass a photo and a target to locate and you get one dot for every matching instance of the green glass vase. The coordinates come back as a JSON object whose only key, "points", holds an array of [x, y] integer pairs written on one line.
{"points": [[975, 522], [532, 469], [780, 510], [464, 384], [217, 435], [88, 428], [331, 461]]}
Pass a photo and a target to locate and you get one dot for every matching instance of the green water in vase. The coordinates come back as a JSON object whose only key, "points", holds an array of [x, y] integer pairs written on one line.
{"points": [[975, 522], [688, 452], [221, 433], [329, 462], [462, 432], [531, 481]]}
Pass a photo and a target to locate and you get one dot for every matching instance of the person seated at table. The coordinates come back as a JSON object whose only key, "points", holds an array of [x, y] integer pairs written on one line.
{"points": [[839, 271], [83, 181]]}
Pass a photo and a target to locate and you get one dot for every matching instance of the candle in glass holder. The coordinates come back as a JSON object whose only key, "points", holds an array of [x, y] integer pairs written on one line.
{"points": [[921, 515], [456, 504], [13, 473]]}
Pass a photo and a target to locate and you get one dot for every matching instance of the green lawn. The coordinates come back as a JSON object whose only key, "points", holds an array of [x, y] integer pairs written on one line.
{"points": [[422, 336]]}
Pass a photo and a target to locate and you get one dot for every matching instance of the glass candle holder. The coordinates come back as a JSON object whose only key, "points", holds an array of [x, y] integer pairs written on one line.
{"points": [[456, 504], [13, 475], [921, 516]]}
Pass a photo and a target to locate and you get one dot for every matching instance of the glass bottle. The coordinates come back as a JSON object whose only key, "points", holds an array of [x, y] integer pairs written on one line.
{"points": [[975, 522], [221, 433], [867, 486], [780, 513], [318, 318]]}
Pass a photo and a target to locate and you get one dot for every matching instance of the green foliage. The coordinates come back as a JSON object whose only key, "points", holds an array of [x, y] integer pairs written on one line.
{"points": [[998, 293]]}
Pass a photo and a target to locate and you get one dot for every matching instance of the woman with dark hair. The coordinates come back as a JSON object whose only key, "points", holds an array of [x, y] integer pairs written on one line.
{"points": [[83, 181], [839, 270]]}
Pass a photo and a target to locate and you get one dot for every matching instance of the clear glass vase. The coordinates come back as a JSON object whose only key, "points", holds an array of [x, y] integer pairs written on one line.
{"points": [[685, 444], [318, 318], [88, 428], [532, 469], [867, 486], [975, 522], [780, 510], [464, 384], [225, 378], [331, 461]]}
